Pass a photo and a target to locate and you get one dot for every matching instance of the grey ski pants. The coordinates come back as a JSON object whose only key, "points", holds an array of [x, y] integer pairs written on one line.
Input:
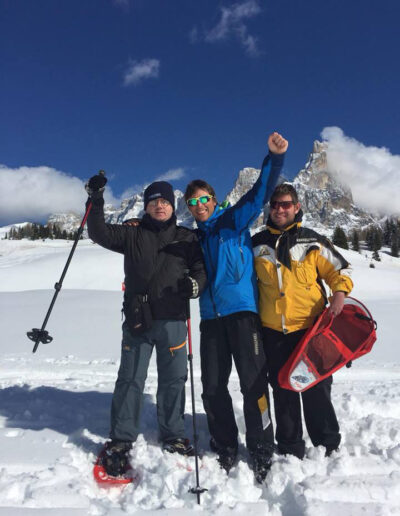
{"points": [[169, 338]]}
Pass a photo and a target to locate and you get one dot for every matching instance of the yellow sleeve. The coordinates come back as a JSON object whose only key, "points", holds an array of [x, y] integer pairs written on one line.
{"points": [[334, 269]]}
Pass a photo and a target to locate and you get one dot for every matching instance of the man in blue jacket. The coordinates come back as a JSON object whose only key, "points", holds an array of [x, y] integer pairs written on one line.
{"points": [[230, 325]]}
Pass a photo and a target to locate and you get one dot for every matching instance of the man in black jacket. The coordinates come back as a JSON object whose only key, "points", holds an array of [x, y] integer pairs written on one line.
{"points": [[164, 268]]}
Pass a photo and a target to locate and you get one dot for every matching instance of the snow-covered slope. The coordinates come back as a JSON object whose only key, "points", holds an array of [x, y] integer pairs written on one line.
{"points": [[54, 405]]}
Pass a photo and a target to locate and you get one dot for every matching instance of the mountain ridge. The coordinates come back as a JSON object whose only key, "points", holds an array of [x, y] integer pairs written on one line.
{"points": [[326, 201]]}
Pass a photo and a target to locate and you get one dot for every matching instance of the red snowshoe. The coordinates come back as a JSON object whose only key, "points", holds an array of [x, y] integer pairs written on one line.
{"points": [[121, 469], [329, 345]]}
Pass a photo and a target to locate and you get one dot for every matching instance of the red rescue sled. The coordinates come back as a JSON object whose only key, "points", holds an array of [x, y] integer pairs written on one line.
{"points": [[329, 345], [103, 479]]}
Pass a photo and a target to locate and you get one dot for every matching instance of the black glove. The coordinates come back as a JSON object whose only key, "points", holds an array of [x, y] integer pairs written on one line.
{"points": [[96, 184], [188, 287]]}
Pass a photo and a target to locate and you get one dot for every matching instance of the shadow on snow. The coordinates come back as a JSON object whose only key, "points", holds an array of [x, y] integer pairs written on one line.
{"points": [[78, 414]]}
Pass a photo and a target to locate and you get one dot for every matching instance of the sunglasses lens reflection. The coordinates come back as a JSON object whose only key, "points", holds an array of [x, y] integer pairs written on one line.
{"points": [[203, 200], [281, 204]]}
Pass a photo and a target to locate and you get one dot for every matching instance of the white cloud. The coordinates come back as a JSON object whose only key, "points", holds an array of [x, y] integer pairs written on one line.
{"points": [[172, 175], [138, 71], [372, 173], [194, 35], [33, 193], [232, 24], [121, 3]]}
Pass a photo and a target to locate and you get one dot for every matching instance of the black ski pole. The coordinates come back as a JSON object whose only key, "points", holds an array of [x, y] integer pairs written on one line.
{"points": [[195, 490], [41, 335]]}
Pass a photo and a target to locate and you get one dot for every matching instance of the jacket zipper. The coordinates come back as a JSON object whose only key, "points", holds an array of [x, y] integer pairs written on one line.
{"points": [[240, 247], [279, 275], [209, 284]]}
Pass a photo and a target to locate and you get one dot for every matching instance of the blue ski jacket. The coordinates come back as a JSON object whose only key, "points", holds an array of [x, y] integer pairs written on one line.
{"points": [[228, 254]]}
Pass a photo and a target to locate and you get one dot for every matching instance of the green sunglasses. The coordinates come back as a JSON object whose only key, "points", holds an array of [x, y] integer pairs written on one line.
{"points": [[203, 200]]}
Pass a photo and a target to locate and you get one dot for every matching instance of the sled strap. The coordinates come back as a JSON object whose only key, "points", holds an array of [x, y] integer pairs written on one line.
{"points": [[340, 346]]}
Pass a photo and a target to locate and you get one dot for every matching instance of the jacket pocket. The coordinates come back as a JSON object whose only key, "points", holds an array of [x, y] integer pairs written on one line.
{"points": [[138, 314], [266, 272], [304, 273], [231, 260], [176, 348]]}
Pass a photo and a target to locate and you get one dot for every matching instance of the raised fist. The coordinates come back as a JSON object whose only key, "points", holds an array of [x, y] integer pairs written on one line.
{"points": [[96, 184], [277, 143]]}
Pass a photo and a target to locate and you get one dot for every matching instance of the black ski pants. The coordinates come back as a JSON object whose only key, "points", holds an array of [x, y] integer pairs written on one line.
{"points": [[319, 414], [238, 336]]}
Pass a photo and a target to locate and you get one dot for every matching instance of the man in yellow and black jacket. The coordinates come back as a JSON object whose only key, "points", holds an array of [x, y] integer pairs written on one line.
{"points": [[291, 264]]}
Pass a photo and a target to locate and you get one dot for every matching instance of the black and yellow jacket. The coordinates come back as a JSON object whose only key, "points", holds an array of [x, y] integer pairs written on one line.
{"points": [[290, 267]]}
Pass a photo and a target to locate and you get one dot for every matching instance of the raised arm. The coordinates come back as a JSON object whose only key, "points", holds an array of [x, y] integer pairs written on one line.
{"points": [[110, 236], [247, 209]]}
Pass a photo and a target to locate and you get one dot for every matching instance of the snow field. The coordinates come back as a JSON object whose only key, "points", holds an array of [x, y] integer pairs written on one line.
{"points": [[54, 406]]}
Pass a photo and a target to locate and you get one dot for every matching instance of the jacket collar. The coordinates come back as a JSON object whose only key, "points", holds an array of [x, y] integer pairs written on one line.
{"points": [[219, 210], [156, 225], [287, 237]]}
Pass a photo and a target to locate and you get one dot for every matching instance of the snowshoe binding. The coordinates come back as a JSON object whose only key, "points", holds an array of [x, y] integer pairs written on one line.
{"points": [[179, 445], [112, 465]]}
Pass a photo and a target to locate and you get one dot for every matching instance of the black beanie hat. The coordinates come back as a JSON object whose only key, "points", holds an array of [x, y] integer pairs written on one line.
{"points": [[157, 190]]}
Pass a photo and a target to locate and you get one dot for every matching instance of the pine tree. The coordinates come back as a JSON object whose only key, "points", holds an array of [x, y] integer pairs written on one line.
{"points": [[50, 231], [56, 232], [35, 232], [377, 244], [387, 231], [339, 238], [355, 241], [395, 244], [369, 238], [375, 256], [378, 238]]}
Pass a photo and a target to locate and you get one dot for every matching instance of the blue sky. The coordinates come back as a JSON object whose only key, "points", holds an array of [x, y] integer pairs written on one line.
{"points": [[184, 89]]}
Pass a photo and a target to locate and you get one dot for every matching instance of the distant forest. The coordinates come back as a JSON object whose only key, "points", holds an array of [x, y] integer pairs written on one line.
{"points": [[39, 231], [374, 237]]}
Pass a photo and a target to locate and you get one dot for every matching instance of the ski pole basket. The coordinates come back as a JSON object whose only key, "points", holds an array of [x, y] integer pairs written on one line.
{"points": [[329, 345]]}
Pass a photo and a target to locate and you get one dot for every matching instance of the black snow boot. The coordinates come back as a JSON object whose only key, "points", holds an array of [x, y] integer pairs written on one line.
{"points": [[261, 460], [116, 457], [226, 455], [179, 445], [330, 449]]}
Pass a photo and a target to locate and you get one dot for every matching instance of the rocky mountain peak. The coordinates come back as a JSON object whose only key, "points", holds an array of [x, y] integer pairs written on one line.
{"points": [[326, 202], [245, 180]]}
